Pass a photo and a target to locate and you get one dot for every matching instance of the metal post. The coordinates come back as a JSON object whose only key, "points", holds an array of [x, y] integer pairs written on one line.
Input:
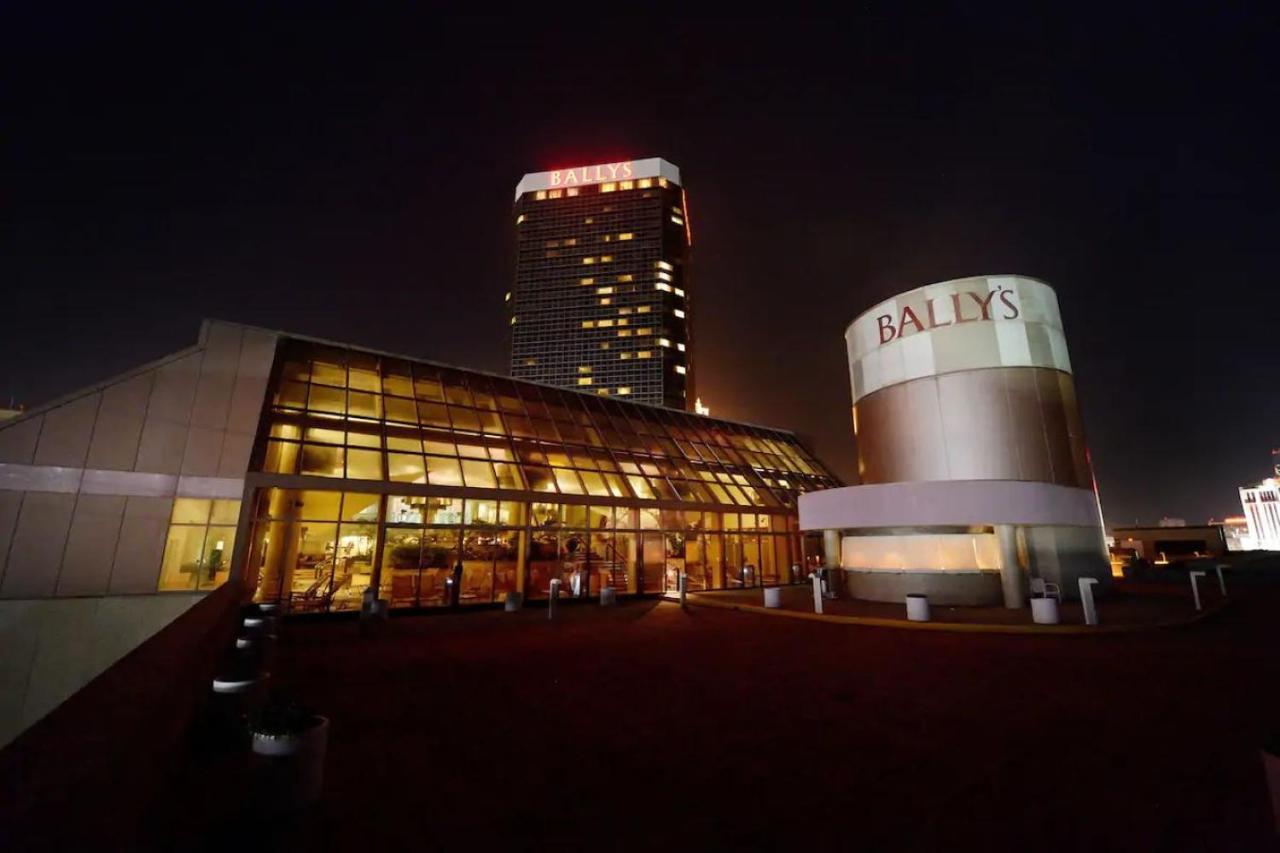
{"points": [[1222, 584], [682, 583], [817, 593], [1086, 600], [1195, 587], [553, 597]]}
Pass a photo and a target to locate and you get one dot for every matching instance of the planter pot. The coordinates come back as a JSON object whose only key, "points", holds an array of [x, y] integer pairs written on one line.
{"points": [[1044, 611], [290, 768], [773, 597], [917, 608]]}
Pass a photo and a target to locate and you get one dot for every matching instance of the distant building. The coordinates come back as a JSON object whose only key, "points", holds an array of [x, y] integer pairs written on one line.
{"points": [[1170, 543], [1236, 530], [1262, 513], [600, 301]]}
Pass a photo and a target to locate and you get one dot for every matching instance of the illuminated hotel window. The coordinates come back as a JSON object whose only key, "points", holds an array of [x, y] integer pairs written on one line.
{"points": [[588, 260], [541, 195], [627, 185], [679, 293], [584, 368], [603, 290], [626, 277], [603, 392], [604, 259], [663, 265], [513, 320], [585, 380], [680, 347], [677, 220], [606, 238], [571, 191], [679, 313], [530, 362], [604, 345], [625, 235], [197, 553], [588, 324], [644, 353], [623, 322], [644, 331], [662, 285], [665, 276], [643, 309], [622, 312], [604, 324], [554, 194], [622, 392], [644, 183], [587, 281], [507, 298], [608, 188], [624, 356], [624, 333], [680, 368], [663, 342], [606, 301], [520, 219], [588, 220], [571, 241], [662, 182]]}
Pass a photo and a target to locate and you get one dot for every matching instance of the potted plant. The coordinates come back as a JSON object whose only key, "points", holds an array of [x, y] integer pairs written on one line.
{"points": [[289, 741]]}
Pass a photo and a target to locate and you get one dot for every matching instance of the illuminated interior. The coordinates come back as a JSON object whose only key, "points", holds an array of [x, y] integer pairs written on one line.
{"points": [[977, 551]]}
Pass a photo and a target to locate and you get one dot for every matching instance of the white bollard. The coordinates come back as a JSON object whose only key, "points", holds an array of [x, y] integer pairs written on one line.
{"points": [[773, 597], [1222, 584], [1195, 587], [917, 608], [1086, 600], [682, 583], [817, 594], [552, 597]]}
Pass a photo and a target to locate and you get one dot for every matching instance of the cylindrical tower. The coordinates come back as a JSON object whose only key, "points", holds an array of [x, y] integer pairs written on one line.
{"points": [[971, 452]]}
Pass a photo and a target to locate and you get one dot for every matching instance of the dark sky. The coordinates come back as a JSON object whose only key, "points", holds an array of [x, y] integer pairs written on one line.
{"points": [[351, 177]]}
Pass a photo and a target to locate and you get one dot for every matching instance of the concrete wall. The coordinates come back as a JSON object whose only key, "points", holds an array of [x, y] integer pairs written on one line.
{"points": [[87, 485], [53, 647], [949, 588]]}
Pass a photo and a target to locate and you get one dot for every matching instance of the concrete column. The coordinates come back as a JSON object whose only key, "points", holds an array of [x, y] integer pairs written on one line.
{"points": [[1011, 575], [831, 548]]}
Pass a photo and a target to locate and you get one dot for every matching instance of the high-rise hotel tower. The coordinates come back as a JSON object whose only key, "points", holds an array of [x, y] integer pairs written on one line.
{"points": [[601, 294]]}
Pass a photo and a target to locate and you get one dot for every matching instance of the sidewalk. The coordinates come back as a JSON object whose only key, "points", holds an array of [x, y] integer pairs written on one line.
{"points": [[1124, 609]]}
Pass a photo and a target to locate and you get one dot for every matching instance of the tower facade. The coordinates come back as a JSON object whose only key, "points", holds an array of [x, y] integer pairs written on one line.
{"points": [[601, 298]]}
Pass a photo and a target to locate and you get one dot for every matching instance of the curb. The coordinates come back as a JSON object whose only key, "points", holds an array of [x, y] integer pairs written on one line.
{"points": [[958, 627]]}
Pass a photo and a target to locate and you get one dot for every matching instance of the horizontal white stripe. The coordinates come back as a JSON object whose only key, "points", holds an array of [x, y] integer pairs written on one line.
{"points": [[95, 481]]}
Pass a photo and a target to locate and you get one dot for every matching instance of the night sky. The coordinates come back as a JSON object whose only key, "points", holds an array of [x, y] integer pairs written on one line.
{"points": [[351, 177]]}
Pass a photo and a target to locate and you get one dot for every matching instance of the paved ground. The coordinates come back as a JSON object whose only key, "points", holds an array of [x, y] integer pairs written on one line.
{"points": [[1130, 604], [648, 727]]}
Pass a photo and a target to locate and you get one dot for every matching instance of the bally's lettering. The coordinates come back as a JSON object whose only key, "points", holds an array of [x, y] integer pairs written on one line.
{"points": [[591, 174], [980, 305]]}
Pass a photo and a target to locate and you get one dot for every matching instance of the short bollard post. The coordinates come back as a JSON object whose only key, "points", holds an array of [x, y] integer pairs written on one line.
{"points": [[1222, 584], [552, 597], [682, 583], [817, 593], [1195, 587], [1086, 600], [917, 608]]}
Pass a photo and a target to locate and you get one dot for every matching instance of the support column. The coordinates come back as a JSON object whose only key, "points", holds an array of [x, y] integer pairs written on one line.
{"points": [[1011, 574], [831, 549]]}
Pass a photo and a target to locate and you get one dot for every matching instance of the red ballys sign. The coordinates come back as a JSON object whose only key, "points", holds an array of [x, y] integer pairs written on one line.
{"points": [[977, 306], [591, 174]]}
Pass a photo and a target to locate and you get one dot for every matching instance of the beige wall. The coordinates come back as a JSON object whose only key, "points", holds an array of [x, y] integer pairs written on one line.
{"points": [[53, 647], [87, 483]]}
